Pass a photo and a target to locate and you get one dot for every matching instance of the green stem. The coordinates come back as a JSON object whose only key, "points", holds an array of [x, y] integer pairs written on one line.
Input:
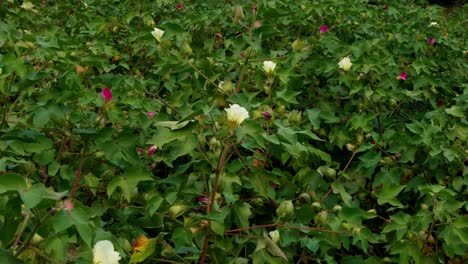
{"points": [[5, 107]]}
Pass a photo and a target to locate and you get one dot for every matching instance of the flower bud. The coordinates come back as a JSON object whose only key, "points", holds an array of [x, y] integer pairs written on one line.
{"points": [[295, 116], [177, 210], [281, 109], [350, 147], [284, 209], [297, 45], [316, 205], [321, 217], [304, 198], [275, 236], [186, 48], [337, 208], [239, 13], [346, 226], [372, 211]]}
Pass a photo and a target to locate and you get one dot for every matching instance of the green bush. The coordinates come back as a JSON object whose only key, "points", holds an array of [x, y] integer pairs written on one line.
{"points": [[359, 161]]}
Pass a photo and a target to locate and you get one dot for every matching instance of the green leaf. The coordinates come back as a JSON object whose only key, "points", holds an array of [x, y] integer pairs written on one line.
{"points": [[217, 227], [338, 187], [128, 182], [181, 237], [8, 257], [33, 196], [288, 96], [86, 233], [388, 194], [273, 248], [144, 252], [11, 182], [456, 111], [241, 214]]}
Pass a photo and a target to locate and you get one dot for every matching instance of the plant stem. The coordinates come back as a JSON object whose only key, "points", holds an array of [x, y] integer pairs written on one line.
{"points": [[5, 108], [221, 162], [78, 174]]}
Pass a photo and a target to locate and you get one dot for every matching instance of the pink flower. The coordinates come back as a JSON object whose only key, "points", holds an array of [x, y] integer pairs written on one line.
{"points": [[242, 54], [106, 94], [151, 150], [253, 9], [151, 114], [180, 6], [68, 204], [402, 76], [323, 29], [431, 41]]}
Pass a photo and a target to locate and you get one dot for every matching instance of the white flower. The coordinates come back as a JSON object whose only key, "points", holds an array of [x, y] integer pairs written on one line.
{"points": [[269, 66], [27, 5], [104, 253], [345, 63], [220, 85], [157, 33], [236, 113], [433, 24]]}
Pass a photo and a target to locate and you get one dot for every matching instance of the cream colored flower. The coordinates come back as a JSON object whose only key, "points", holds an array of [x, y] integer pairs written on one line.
{"points": [[27, 5], [236, 114], [269, 67], [157, 33], [104, 253], [345, 63], [433, 24]]}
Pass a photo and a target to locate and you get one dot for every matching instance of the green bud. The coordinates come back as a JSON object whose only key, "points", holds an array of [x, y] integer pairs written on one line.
{"points": [[304, 198], [350, 147], [177, 210], [281, 109], [284, 209], [372, 211], [321, 217], [316, 205], [227, 87], [295, 116], [346, 226], [186, 48], [297, 45], [337, 208], [275, 236]]}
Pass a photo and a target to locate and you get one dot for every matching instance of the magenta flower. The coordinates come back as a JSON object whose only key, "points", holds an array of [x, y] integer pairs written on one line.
{"points": [[242, 54], [151, 150], [202, 199], [151, 114], [431, 41], [266, 114], [323, 29], [253, 9], [402, 76], [180, 6], [106, 94]]}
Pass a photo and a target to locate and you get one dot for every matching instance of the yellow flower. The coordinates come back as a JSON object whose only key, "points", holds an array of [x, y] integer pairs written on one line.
{"points": [[345, 63], [236, 114], [104, 253], [269, 67], [157, 33]]}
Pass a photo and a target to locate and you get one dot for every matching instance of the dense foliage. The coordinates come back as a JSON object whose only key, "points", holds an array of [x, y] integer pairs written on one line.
{"points": [[354, 149]]}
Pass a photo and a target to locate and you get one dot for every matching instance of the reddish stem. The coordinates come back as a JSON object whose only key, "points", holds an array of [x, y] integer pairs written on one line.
{"points": [[77, 175]]}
